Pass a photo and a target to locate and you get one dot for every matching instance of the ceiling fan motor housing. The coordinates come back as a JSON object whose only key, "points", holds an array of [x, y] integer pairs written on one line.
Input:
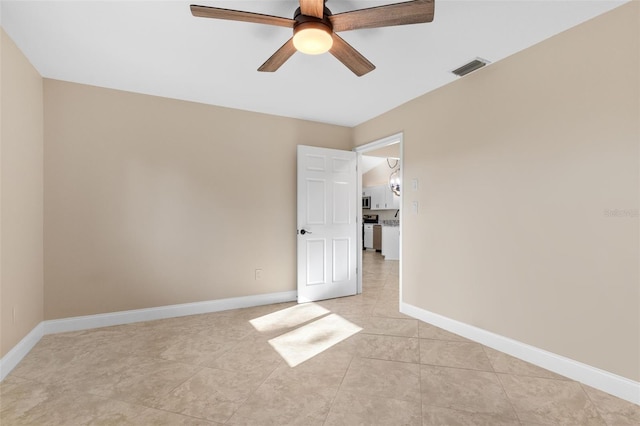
{"points": [[305, 21], [312, 35]]}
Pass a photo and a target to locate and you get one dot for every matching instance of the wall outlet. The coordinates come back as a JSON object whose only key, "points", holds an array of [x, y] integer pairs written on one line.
{"points": [[258, 274]]}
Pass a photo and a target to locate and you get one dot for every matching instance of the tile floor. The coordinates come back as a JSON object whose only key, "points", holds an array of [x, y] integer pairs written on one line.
{"points": [[221, 369]]}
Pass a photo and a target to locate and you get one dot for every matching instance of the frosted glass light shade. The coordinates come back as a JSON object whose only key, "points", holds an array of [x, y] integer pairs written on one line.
{"points": [[312, 39], [394, 182]]}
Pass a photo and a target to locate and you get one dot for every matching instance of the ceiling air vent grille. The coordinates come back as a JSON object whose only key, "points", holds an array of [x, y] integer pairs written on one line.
{"points": [[470, 67]]}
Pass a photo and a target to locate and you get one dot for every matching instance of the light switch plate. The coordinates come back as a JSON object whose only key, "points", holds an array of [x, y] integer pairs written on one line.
{"points": [[414, 184], [414, 207]]}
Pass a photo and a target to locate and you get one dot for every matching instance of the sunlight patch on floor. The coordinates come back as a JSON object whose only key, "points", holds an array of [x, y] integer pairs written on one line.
{"points": [[289, 317], [304, 343]]}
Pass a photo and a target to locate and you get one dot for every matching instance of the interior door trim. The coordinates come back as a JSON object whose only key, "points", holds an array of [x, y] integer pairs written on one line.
{"points": [[362, 149]]}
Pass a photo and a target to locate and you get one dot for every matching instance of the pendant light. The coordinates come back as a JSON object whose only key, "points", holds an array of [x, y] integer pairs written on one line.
{"points": [[394, 181], [394, 177]]}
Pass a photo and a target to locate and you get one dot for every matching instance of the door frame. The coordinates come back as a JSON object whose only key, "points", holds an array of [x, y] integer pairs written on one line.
{"points": [[360, 150]]}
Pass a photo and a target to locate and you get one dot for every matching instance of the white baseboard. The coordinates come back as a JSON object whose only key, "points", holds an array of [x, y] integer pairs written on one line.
{"points": [[605, 381], [162, 312], [15, 355], [19, 351]]}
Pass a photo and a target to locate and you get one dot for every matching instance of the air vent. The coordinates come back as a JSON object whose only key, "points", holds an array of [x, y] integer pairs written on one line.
{"points": [[470, 67]]}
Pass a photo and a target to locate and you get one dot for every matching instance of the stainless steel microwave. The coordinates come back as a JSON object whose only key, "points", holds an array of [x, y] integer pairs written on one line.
{"points": [[366, 202]]}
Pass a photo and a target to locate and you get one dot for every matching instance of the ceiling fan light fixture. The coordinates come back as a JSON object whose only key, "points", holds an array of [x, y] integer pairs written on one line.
{"points": [[315, 28], [312, 38]]}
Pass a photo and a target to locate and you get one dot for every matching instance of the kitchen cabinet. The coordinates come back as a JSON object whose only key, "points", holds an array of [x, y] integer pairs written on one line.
{"points": [[382, 198], [377, 197], [391, 242], [392, 201]]}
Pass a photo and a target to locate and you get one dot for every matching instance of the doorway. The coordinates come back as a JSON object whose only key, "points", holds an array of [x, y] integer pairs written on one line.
{"points": [[390, 154]]}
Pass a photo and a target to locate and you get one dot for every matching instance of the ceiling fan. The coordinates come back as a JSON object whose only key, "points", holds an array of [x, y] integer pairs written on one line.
{"points": [[315, 28]]}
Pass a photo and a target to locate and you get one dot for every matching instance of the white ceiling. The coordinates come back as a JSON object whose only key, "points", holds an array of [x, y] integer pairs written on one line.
{"points": [[159, 48]]}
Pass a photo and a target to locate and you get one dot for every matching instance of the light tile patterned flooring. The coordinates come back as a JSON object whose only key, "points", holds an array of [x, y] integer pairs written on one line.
{"points": [[219, 369]]}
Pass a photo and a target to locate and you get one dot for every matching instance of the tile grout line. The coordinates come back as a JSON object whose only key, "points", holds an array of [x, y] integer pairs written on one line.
{"points": [[596, 406], [333, 400], [252, 393], [504, 391]]}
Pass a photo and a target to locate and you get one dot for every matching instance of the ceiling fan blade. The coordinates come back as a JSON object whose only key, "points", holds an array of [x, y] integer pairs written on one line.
{"points": [[238, 15], [350, 57], [312, 8], [411, 12], [280, 57]]}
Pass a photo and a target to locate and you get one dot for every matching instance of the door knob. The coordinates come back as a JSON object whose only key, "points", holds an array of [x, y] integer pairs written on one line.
{"points": [[304, 231]]}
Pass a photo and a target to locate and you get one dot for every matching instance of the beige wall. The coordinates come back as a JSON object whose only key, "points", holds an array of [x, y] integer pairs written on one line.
{"points": [[21, 187], [151, 201], [518, 165]]}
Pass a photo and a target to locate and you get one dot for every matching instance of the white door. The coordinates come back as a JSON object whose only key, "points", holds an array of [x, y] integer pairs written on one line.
{"points": [[327, 223]]}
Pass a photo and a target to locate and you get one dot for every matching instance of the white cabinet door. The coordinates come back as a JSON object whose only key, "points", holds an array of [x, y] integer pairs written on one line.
{"points": [[378, 199], [392, 201]]}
